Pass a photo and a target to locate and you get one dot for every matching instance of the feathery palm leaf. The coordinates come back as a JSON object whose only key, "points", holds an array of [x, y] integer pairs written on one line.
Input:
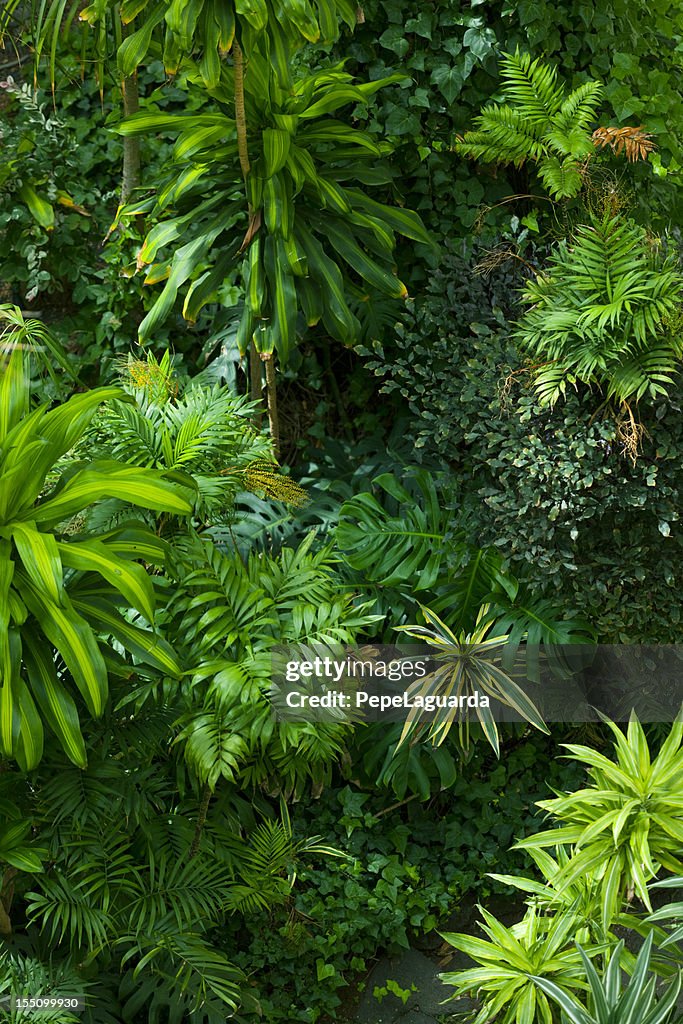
{"points": [[604, 313], [539, 122]]}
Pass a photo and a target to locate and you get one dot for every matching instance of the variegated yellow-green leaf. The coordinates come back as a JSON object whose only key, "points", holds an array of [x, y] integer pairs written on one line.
{"points": [[40, 557], [28, 746], [75, 641], [135, 47], [41, 210], [145, 488], [361, 263], [128, 578], [276, 143], [56, 704], [284, 302], [143, 643]]}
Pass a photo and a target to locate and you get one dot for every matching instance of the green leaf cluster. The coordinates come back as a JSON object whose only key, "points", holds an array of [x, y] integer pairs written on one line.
{"points": [[58, 594], [605, 312], [627, 824], [539, 122]]}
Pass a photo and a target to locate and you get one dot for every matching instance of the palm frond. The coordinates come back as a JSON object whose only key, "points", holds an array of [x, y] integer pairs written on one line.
{"points": [[605, 313], [532, 86], [538, 122]]}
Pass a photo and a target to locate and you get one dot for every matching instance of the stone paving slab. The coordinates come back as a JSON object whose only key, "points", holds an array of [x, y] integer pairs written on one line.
{"points": [[424, 1006]]}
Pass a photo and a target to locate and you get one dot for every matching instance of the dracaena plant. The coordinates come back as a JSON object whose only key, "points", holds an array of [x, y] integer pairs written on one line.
{"points": [[61, 592], [301, 229], [466, 663], [199, 34], [610, 999], [510, 960], [626, 825]]}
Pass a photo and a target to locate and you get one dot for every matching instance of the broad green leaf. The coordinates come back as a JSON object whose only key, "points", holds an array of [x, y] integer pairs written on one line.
{"points": [[40, 557], [135, 47], [41, 210], [276, 143], [56, 704], [28, 747], [143, 487], [127, 577], [144, 644], [75, 641]]}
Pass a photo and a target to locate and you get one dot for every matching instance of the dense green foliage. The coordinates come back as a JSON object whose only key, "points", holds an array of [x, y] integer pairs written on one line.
{"points": [[352, 325]]}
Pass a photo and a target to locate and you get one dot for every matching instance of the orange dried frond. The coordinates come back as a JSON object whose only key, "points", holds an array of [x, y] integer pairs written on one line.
{"points": [[635, 143]]}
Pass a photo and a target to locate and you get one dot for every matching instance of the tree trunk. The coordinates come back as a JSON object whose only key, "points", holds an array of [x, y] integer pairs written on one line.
{"points": [[243, 152], [256, 381], [240, 110], [130, 177]]}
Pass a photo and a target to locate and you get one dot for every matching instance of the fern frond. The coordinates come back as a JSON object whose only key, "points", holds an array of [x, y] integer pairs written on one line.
{"points": [[574, 142], [580, 109], [532, 86], [213, 748], [503, 135], [217, 603], [179, 977], [635, 143], [563, 180], [66, 911], [603, 313], [175, 894], [537, 122]]}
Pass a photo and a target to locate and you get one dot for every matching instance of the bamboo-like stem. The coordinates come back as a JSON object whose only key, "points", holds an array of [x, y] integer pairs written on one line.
{"points": [[130, 175], [271, 392], [240, 109], [256, 384], [256, 379]]}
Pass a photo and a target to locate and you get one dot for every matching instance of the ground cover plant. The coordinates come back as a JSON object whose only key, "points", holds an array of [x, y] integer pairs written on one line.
{"points": [[333, 325]]}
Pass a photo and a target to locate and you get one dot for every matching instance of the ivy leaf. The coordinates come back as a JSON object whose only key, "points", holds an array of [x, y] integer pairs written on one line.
{"points": [[394, 39], [402, 121], [480, 41], [449, 81]]}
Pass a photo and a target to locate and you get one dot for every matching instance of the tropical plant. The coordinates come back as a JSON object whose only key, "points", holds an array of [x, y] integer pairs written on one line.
{"points": [[21, 973], [511, 961], [203, 430], [236, 172], [304, 226], [613, 1001], [582, 894], [670, 914], [59, 593], [412, 541], [226, 615], [605, 312], [540, 122], [201, 37], [627, 824], [467, 664]]}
